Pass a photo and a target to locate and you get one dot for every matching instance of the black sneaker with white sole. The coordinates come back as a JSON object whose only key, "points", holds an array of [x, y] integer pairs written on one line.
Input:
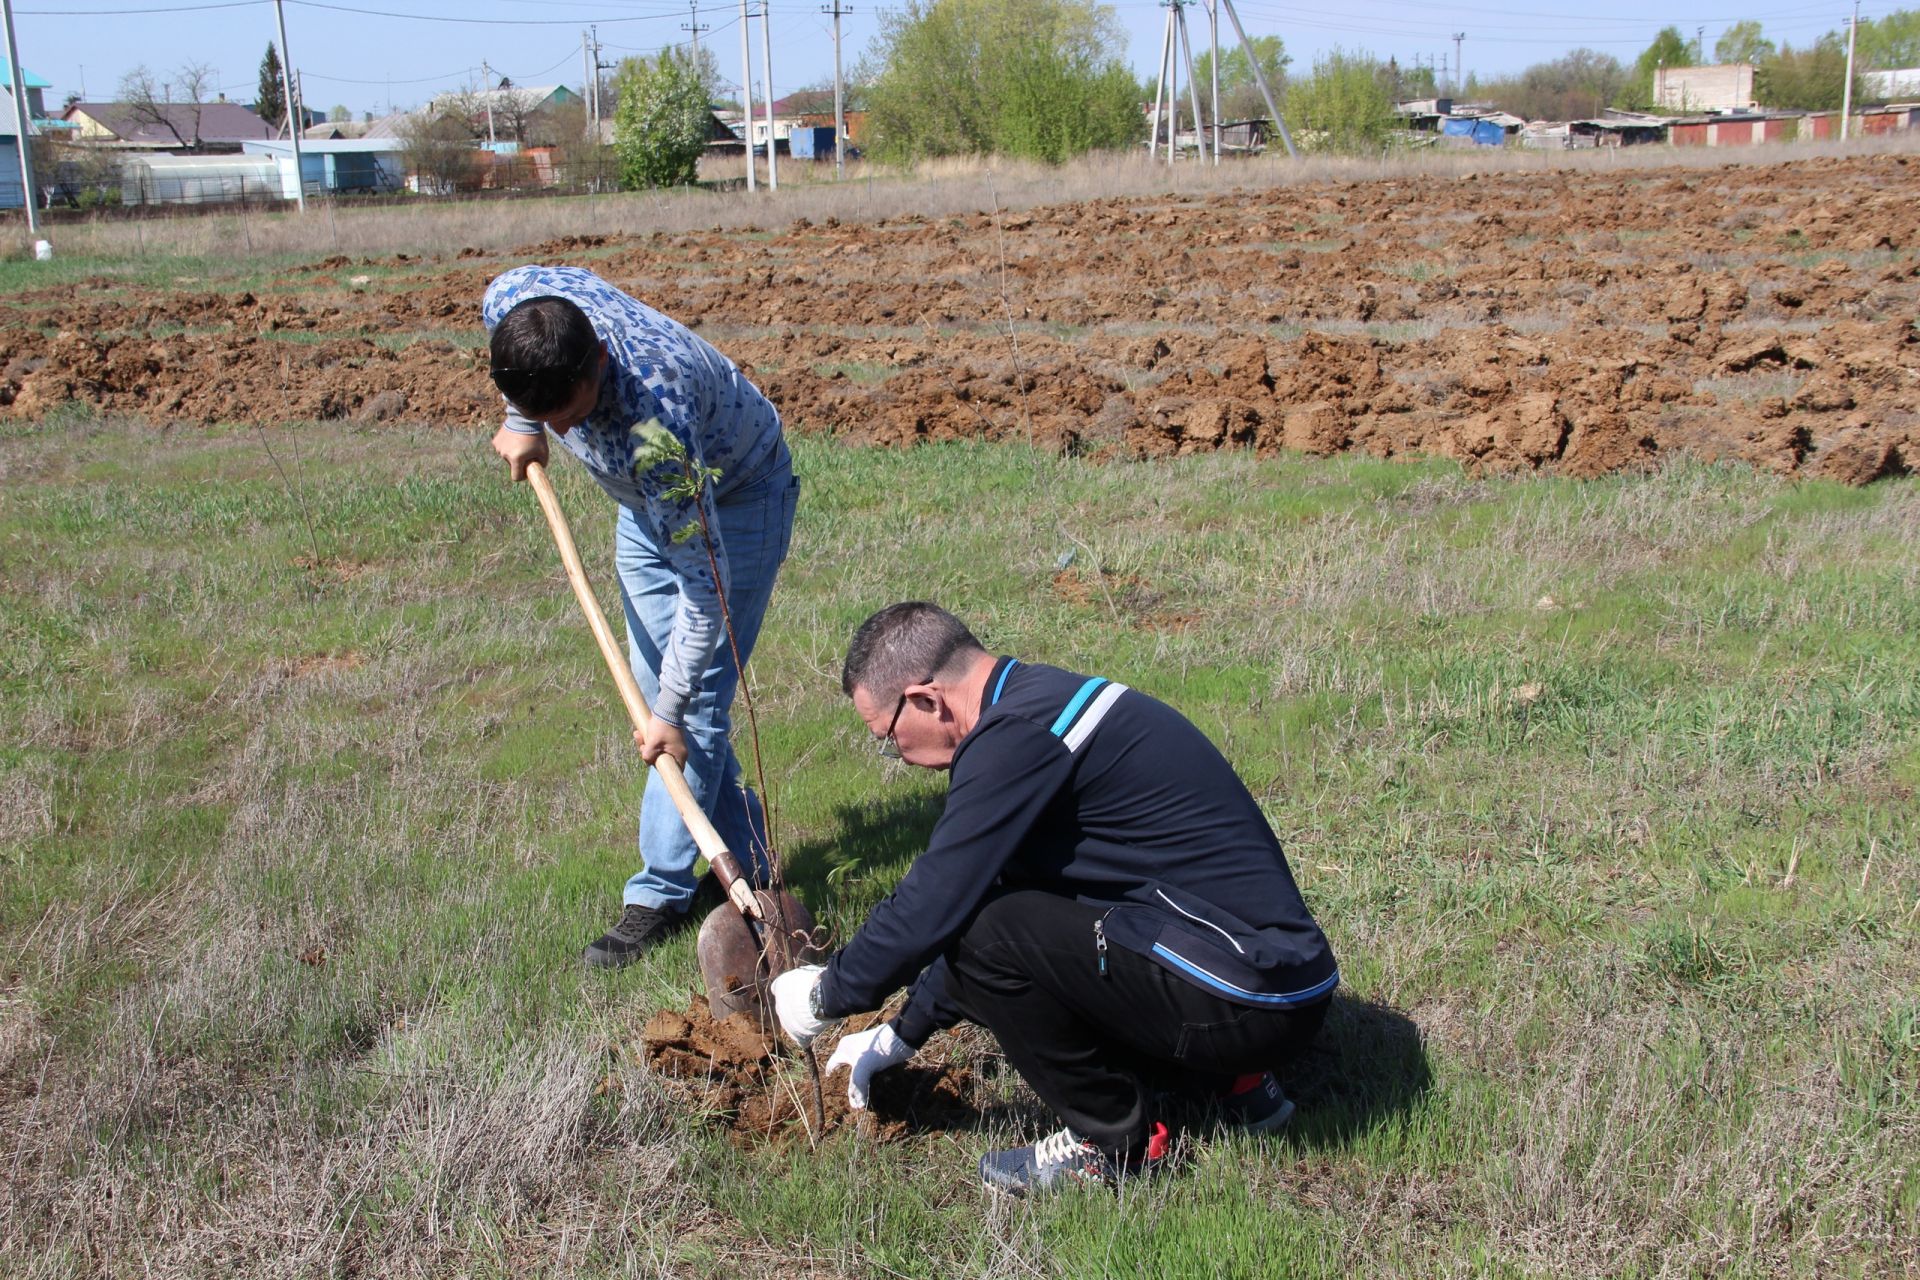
{"points": [[638, 930], [1255, 1104]]}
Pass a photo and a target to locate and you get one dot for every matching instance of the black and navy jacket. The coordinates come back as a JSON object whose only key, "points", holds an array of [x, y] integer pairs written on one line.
{"points": [[1083, 787]]}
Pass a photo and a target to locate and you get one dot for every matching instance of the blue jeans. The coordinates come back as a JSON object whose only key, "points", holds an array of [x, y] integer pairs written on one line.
{"points": [[756, 526]]}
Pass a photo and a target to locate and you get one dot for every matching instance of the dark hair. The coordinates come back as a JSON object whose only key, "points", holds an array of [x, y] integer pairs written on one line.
{"points": [[903, 644], [541, 351]]}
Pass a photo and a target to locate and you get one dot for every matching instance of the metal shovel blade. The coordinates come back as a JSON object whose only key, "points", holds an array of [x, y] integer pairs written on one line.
{"points": [[737, 968]]}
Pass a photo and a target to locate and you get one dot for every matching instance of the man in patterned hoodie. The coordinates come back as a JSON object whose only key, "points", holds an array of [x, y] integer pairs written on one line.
{"points": [[605, 373]]}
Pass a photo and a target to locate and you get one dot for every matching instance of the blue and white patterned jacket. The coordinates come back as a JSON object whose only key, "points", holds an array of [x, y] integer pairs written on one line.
{"points": [[659, 370]]}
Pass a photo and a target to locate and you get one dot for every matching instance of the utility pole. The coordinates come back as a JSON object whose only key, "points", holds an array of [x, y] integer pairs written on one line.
{"points": [[746, 90], [486, 89], [1260, 78], [23, 124], [1213, 68], [1177, 47], [1193, 81], [601, 65], [1846, 94], [1699, 46], [839, 97], [1159, 94], [1459, 68], [596, 104], [766, 72], [1176, 43], [599, 99], [286, 87], [587, 74], [695, 27], [1173, 82]]}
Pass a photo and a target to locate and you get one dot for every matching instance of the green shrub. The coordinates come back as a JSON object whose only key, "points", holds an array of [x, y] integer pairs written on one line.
{"points": [[661, 125], [1343, 106]]}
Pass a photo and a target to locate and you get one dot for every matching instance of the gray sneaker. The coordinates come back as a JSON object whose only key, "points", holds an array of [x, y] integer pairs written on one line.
{"points": [[1065, 1159], [638, 930]]}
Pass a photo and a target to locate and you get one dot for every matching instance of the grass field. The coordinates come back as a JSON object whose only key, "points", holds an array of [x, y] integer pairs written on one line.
{"points": [[1604, 792]]}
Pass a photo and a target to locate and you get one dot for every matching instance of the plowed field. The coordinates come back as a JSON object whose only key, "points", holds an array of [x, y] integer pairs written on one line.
{"points": [[1580, 322]]}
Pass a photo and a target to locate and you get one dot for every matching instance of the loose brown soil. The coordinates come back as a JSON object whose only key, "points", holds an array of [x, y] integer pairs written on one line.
{"points": [[1575, 322], [732, 1072]]}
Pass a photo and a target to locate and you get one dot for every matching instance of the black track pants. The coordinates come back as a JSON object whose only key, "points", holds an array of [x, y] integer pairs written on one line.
{"points": [[1095, 1045]]}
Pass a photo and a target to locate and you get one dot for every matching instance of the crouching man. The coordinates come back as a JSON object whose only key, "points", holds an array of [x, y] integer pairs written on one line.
{"points": [[1101, 893]]}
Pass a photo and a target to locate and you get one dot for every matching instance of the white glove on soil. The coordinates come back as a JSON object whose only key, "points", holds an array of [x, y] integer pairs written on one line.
{"points": [[866, 1053], [793, 993]]}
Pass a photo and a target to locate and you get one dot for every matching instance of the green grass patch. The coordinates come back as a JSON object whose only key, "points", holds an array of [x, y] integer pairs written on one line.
{"points": [[1604, 792], [864, 373], [1324, 244]]}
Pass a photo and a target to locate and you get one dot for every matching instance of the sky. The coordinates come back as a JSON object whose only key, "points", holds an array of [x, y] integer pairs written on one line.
{"points": [[370, 54]]}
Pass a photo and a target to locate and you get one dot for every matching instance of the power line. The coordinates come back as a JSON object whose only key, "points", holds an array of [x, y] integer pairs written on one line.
{"points": [[115, 13], [340, 8], [483, 22], [451, 75], [695, 25], [1435, 31]]}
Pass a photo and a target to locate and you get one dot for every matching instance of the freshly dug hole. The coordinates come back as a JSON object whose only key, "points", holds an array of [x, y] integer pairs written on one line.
{"points": [[728, 1070]]}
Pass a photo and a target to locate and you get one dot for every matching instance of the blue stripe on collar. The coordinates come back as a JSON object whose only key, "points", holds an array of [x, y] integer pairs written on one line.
{"points": [[1001, 683]]}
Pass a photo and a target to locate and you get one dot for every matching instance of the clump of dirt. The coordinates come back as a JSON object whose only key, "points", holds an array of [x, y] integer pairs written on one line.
{"points": [[731, 1070]]}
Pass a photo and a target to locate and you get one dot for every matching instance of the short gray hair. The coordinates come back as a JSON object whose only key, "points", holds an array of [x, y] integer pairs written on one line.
{"points": [[904, 644]]}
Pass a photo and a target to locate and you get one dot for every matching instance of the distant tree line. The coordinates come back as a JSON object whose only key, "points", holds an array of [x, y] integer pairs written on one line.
{"points": [[1046, 80], [1043, 79], [1810, 78]]}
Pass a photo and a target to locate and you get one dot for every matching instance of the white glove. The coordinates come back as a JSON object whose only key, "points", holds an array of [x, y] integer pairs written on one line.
{"points": [[866, 1053], [793, 993]]}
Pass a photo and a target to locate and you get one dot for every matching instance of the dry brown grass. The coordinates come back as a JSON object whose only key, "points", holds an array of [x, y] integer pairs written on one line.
{"points": [[869, 193]]}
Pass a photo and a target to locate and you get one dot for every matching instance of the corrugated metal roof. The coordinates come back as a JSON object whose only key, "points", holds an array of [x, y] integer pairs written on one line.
{"points": [[804, 102], [323, 146], [390, 126], [219, 122], [160, 162], [534, 94]]}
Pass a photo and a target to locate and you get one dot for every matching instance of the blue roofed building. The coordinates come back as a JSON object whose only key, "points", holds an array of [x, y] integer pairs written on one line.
{"points": [[36, 95], [1489, 130], [12, 188]]}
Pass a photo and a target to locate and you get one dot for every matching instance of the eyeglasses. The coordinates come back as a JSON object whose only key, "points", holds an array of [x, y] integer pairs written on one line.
{"points": [[887, 747]]}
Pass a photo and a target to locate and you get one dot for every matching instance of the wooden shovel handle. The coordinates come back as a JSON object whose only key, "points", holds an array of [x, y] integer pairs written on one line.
{"points": [[725, 866]]}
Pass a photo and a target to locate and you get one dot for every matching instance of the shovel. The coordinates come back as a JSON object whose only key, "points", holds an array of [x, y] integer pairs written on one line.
{"points": [[759, 933]]}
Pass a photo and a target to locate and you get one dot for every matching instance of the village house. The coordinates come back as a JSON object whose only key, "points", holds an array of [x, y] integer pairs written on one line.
{"points": [[207, 128]]}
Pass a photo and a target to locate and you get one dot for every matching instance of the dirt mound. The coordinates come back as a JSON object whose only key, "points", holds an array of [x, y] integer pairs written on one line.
{"points": [[732, 1071], [1572, 322]]}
